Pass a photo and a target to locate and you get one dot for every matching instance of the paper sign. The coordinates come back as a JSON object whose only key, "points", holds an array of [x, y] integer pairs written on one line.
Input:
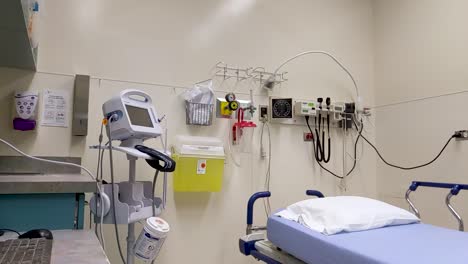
{"points": [[54, 108]]}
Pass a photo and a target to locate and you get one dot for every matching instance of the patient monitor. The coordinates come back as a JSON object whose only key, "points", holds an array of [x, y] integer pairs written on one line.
{"points": [[132, 117]]}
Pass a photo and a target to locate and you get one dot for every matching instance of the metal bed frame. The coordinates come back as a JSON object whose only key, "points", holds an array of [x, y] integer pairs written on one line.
{"points": [[454, 190], [255, 243]]}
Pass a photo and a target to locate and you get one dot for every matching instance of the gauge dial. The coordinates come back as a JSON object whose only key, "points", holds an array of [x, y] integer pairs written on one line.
{"points": [[281, 108]]}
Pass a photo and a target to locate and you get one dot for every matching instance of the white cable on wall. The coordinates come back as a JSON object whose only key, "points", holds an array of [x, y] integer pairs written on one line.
{"points": [[328, 55], [266, 202], [65, 164]]}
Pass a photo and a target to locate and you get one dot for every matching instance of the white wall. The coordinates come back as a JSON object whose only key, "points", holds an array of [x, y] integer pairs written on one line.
{"points": [[157, 45], [421, 90]]}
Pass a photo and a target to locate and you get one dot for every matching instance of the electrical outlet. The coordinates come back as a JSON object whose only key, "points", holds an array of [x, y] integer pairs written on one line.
{"points": [[308, 136], [461, 135], [263, 113]]}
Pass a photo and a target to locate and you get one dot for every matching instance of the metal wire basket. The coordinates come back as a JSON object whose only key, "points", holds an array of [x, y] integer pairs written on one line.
{"points": [[198, 114]]}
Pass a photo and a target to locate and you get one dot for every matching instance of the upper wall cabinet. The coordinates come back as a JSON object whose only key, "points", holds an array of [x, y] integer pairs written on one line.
{"points": [[18, 42]]}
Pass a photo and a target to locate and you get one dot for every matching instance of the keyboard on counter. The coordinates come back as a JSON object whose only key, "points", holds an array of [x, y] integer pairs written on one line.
{"points": [[26, 251]]}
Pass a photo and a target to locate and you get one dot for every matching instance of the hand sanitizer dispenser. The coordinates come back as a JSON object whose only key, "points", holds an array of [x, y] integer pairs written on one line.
{"points": [[25, 110]]}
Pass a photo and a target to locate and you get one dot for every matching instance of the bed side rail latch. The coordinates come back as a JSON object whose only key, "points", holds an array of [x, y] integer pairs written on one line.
{"points": [[315, 193], [454, 190]]}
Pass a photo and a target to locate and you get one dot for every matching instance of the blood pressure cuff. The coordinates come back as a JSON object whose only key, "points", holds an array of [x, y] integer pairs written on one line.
{"points": [[160, 161]]}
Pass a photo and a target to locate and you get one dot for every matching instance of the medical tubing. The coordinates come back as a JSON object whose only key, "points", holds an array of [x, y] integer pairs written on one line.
{"points": [[266, 202], [10, 230], [407, 168], [322, 145], [269, 166], [327, 159], [355, 148], [317, 158], [355, 153], [95, 202], [315, 151], [318, 153], [111, 163], [330, 56], [100, 178], [48, 161], [164, 143], [97, 178], [155, 178], [59, 163]]}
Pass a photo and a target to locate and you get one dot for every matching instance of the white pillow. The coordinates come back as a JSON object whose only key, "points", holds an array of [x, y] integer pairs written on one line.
{"points": [[332, 215]]}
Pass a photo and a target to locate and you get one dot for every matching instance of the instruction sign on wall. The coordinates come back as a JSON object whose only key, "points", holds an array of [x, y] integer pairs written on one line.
{"points": [[55, 108]]}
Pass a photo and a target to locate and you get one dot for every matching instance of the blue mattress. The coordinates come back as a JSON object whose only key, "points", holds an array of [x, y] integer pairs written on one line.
{"points": [[415, 243]]}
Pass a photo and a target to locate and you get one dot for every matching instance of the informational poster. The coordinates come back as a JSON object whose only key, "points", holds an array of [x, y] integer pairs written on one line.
{"points": [[54, 108]]}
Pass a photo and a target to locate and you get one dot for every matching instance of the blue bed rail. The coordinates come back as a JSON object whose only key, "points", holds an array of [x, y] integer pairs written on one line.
{"points": [[247, 244], [454, 190], [251, 202], [259, 195], [315, 193]]}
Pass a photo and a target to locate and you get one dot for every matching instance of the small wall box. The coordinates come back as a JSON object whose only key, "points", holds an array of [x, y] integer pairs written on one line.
{"points": [[200, 164]]}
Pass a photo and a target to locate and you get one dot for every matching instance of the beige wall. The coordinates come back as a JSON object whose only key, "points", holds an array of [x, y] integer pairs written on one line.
{"points": [[158, 45], [421, 90]]}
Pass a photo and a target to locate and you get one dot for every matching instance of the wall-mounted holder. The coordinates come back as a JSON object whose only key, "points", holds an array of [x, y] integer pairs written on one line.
{"points": [[246, 106], [227, 106], [255, 73], [133, 202], [198, 114], [292, 111], [239, 126]]}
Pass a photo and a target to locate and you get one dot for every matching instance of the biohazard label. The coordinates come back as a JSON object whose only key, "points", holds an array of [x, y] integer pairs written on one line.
{"points": [[201, 167]]}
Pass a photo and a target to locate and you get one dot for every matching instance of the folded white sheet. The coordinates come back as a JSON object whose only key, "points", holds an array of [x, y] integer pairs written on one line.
{"points": [[332, 215]]}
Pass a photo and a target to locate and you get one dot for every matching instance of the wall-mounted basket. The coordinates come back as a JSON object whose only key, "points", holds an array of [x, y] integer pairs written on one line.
{"points": [[198, 114]]}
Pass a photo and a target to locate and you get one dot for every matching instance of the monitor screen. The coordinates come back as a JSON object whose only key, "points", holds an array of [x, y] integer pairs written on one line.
{"points": [[139, 116]]}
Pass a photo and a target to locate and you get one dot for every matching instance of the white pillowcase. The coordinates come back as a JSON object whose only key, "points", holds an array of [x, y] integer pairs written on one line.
{"points": [[332, 215]]}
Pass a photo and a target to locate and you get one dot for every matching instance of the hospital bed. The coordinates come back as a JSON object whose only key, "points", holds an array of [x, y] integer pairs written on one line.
{"points": [[287, 241]]}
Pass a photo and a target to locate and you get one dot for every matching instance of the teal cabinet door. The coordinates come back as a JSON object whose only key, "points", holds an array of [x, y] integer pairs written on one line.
{"points": [[23, 212]]}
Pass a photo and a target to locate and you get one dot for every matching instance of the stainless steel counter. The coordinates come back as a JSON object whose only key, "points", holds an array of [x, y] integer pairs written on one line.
{"points": [[77, 247], [48, 183]]}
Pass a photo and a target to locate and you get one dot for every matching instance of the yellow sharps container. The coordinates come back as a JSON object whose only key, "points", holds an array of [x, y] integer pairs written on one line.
{"points": [[200, 164]]}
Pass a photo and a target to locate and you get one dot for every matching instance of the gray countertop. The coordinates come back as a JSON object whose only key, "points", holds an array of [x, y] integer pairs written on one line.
{"points": [[73, 247], [47, 183], [77, 247]]}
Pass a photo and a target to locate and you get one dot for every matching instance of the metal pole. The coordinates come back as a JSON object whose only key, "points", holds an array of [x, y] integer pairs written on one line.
{"points": [[165, 173], [131, 227], [461, 226]]}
